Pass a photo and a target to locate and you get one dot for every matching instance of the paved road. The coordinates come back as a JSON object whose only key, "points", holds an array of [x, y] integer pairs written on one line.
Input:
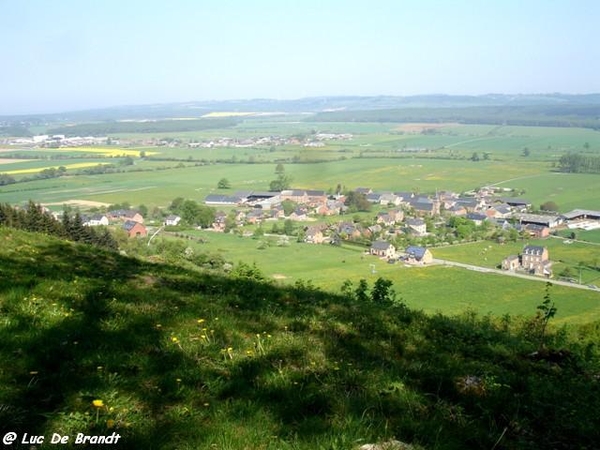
{"points": [[511, 274]]}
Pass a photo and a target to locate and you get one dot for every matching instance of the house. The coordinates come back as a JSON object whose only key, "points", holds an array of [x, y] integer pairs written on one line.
{"points": [[477, 218], [305, 196], [535, 260], [95, 220], [383, 249], [299, 214], [501, 211], [125, 215], [457, 210], [172, 220], [348, 229], [276, 213], [536, 231], [386, 219], [220, 221], [255, 216], [135, 229], [417, 226], [511, 263], [518, 204], [314, 236], [424, 206], [418, 255], [470, 204]]}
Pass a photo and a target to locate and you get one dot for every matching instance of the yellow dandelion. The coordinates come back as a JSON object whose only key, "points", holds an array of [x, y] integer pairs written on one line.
{"points": [[174, 340], [201, 320], [98, 403], [110, 423]]}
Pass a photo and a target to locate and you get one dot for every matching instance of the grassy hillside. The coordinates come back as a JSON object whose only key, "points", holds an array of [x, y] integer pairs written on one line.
{"points": [[173, 358]]}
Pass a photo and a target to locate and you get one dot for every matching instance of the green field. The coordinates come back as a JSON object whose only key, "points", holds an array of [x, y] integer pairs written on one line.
{"points": [[432, 289], [382, 156]]}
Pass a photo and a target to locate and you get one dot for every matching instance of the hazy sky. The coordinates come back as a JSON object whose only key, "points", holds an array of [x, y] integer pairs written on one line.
{"points": [[73, 54]]}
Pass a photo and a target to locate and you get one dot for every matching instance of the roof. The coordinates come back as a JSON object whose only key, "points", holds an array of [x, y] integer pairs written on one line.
{"points": [[476, 216], [130, 224], [216, 198], [515, 201], [416, 252], [415, 222], [381, 245], [123, 213], [581, 212], [533, 250]]}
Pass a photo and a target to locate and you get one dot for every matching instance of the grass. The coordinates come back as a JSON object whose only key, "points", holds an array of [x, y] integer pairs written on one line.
{"points": [[490, 254], [384, 164], [431, 289], [95, 342]]}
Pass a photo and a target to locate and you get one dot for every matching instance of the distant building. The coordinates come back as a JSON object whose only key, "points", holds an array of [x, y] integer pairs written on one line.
{"points": [[533, 259], [382, 249], [135, 229], [417, 255]]}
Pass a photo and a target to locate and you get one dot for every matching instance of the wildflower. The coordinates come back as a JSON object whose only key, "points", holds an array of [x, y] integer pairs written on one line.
{"points": [[200, 320], [174, 339], [110, 423], [98, 404], [33, 372]]}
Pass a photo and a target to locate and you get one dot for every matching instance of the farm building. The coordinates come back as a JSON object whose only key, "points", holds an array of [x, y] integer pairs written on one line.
{"points": [[135, 229]]}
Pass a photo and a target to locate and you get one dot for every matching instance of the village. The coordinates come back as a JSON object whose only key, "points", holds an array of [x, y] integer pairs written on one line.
{"points": [[63, 141], [404, 227]]}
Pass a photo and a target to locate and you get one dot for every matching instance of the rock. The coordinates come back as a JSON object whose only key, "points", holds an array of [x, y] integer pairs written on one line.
{"points": [[388, 445]]}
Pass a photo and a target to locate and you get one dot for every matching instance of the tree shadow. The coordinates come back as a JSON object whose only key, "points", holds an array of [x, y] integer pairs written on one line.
{"points": [[137, 336]]}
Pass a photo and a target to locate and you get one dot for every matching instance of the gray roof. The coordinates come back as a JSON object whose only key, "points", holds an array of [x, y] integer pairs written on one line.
{"points": [[381, 245], [415, 222], [581, 212], [533, 250]]}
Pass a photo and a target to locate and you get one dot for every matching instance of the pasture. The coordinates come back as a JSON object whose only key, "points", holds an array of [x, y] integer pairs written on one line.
{"points": [[490, 254], [432, 289], [382, 156]]}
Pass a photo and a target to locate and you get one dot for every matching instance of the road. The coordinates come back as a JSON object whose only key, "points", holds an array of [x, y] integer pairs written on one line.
{"points": [[511, 274]]}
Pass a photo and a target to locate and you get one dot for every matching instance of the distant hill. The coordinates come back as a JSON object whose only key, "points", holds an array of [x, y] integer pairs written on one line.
{"points": [[309, 105], [174, 357]]}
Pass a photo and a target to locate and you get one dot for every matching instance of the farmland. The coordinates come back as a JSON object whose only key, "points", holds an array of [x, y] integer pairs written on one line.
{"points": [[431, 289], [421, 158]]}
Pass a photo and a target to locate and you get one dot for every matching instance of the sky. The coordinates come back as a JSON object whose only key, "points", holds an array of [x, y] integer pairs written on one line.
{"points": [[67, 55]]}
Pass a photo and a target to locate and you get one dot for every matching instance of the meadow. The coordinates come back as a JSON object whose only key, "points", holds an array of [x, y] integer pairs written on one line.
{"points": [[170, 357], [431, 289]]}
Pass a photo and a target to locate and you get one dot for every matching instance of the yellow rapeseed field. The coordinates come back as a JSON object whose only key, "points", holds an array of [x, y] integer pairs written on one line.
{"points": [[113, 152], [67, 166]]}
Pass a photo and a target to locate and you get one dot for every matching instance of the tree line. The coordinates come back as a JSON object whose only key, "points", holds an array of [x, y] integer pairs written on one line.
{"points": [[33, 218], [578, 163]]}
